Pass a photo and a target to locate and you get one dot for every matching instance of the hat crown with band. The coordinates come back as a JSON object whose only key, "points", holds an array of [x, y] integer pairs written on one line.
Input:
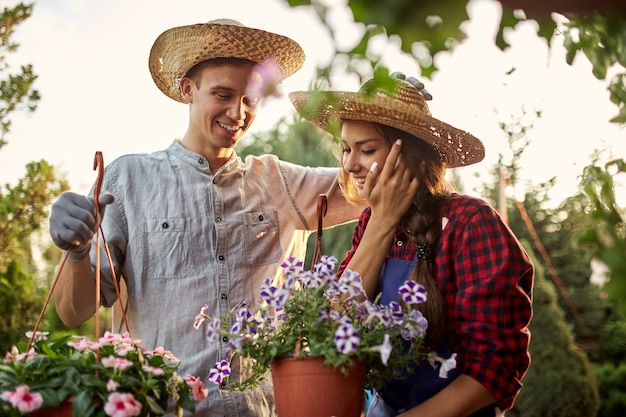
{"points": [[402, 107], [179, 49]]}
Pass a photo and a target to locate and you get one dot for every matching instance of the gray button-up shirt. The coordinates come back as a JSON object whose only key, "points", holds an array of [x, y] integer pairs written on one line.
{"points": [[181, 237]]}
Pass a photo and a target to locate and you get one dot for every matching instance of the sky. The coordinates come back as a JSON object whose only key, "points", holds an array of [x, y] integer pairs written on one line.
{"points": [[97, 94]]}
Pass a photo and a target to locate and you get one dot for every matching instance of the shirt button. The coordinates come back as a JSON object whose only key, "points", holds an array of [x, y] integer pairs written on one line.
{"points": [[225, 339], [165, 225], [399, 243], [201, 161], [218, 219], [223, 296], [214, 180], [260, 217], [221, 257]]}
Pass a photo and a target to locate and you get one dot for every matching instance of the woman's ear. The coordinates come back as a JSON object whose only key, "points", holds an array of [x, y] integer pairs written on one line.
{"points": [[422, 167]]}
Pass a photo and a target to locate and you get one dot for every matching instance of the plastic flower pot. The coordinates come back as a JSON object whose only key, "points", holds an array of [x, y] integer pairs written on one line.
{"points": [[304, 387]]}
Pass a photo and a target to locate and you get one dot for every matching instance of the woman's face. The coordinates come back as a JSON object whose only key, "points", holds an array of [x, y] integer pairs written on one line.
{"points": [[363, 145]]}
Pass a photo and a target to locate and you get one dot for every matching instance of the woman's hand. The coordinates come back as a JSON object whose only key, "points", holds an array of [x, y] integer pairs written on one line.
{"points": [[390, 190]]}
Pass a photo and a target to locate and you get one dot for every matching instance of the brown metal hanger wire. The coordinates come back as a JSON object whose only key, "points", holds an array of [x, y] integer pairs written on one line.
{"points": [[98, 164]]}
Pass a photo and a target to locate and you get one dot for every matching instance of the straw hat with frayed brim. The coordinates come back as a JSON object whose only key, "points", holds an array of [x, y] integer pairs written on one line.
{"points": [[179, 49], [401, 106]]}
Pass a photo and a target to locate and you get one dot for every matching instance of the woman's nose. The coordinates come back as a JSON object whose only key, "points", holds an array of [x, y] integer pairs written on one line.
{"points": [[350, 163]]}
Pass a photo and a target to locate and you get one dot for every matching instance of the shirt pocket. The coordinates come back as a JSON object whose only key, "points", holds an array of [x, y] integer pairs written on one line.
{"points": [[262, 238], [169, 249]]}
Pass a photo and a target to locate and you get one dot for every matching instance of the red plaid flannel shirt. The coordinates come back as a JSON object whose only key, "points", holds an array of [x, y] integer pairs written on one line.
{"points": [[486, 278]]}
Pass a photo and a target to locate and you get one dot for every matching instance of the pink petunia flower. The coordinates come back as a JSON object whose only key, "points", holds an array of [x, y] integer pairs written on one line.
{"points": [[22, 399], [109, 338], [160, 351], [265, 80], [117, 363], [153, 370], [201, 317], [38, 335], [197, 387], [125, 338], [122, 405], [84, 344], [27, 355], [112, 385]]}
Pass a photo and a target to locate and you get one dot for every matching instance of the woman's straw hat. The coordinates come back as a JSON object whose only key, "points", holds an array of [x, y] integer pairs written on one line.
{"points": [[177, 50], [400, 105]]}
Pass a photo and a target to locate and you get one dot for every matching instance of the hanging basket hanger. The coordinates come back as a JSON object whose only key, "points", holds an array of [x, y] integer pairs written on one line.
{"points": [[98, 164]]}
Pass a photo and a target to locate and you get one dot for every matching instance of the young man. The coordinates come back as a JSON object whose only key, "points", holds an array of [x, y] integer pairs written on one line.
{"points": [[193, 224]]}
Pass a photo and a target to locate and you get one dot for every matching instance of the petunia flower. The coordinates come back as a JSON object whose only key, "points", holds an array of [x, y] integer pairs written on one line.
{"points": [[213, 330], [120, 404], [265, 80], [22, 399], [25, 356], [384, 349], [38, 335], [346, 338], [446, 364], [160, 351], [412, 293], [198, 390], [112, 385], [274, 296], [84, 344], [153, 370], [219, 371], [116, 363], [351, 283], [201, 317]]}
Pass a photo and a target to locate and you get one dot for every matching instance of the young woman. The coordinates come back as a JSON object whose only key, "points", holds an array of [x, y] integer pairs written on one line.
{"points": [[478, 277]]}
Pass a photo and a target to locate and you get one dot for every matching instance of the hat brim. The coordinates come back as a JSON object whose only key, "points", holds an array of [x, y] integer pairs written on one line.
{"points": [[179, 49], [327, 109]]}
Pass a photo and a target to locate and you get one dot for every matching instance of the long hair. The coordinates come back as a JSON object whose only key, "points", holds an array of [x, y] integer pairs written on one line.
{"points": [[421, 223]]}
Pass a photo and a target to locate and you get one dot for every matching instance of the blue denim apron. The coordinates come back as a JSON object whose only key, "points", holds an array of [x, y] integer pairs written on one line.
{"points": [[401, 395]]}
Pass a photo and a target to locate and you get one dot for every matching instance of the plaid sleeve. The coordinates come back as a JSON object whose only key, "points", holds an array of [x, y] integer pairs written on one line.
{"points": [[492, 305]]}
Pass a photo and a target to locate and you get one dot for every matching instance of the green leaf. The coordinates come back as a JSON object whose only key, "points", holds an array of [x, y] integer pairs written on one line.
{"points": [[83, 403]]}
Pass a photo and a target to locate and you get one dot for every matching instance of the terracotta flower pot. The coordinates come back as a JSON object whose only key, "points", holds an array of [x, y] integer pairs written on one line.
{"points": [[62, 410], [303, 387]]}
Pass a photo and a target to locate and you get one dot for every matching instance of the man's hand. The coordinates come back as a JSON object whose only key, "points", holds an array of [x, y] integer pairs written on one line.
{"points": [[73, 222]]}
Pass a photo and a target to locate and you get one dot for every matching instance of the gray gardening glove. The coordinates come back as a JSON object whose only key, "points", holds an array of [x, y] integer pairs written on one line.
{"points": [[417, 83], [73, 222]]}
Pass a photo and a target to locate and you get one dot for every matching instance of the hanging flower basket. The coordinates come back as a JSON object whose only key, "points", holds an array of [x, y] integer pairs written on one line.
{"points": [[304, 387], [80, 377], [315, 314]]}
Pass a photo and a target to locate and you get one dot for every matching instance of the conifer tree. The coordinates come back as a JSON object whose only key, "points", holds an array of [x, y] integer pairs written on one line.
{"points": [[560, 381]]}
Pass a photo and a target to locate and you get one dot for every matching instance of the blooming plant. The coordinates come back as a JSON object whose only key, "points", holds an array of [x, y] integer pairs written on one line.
{"points": [[114, 376], [315, 313]]}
